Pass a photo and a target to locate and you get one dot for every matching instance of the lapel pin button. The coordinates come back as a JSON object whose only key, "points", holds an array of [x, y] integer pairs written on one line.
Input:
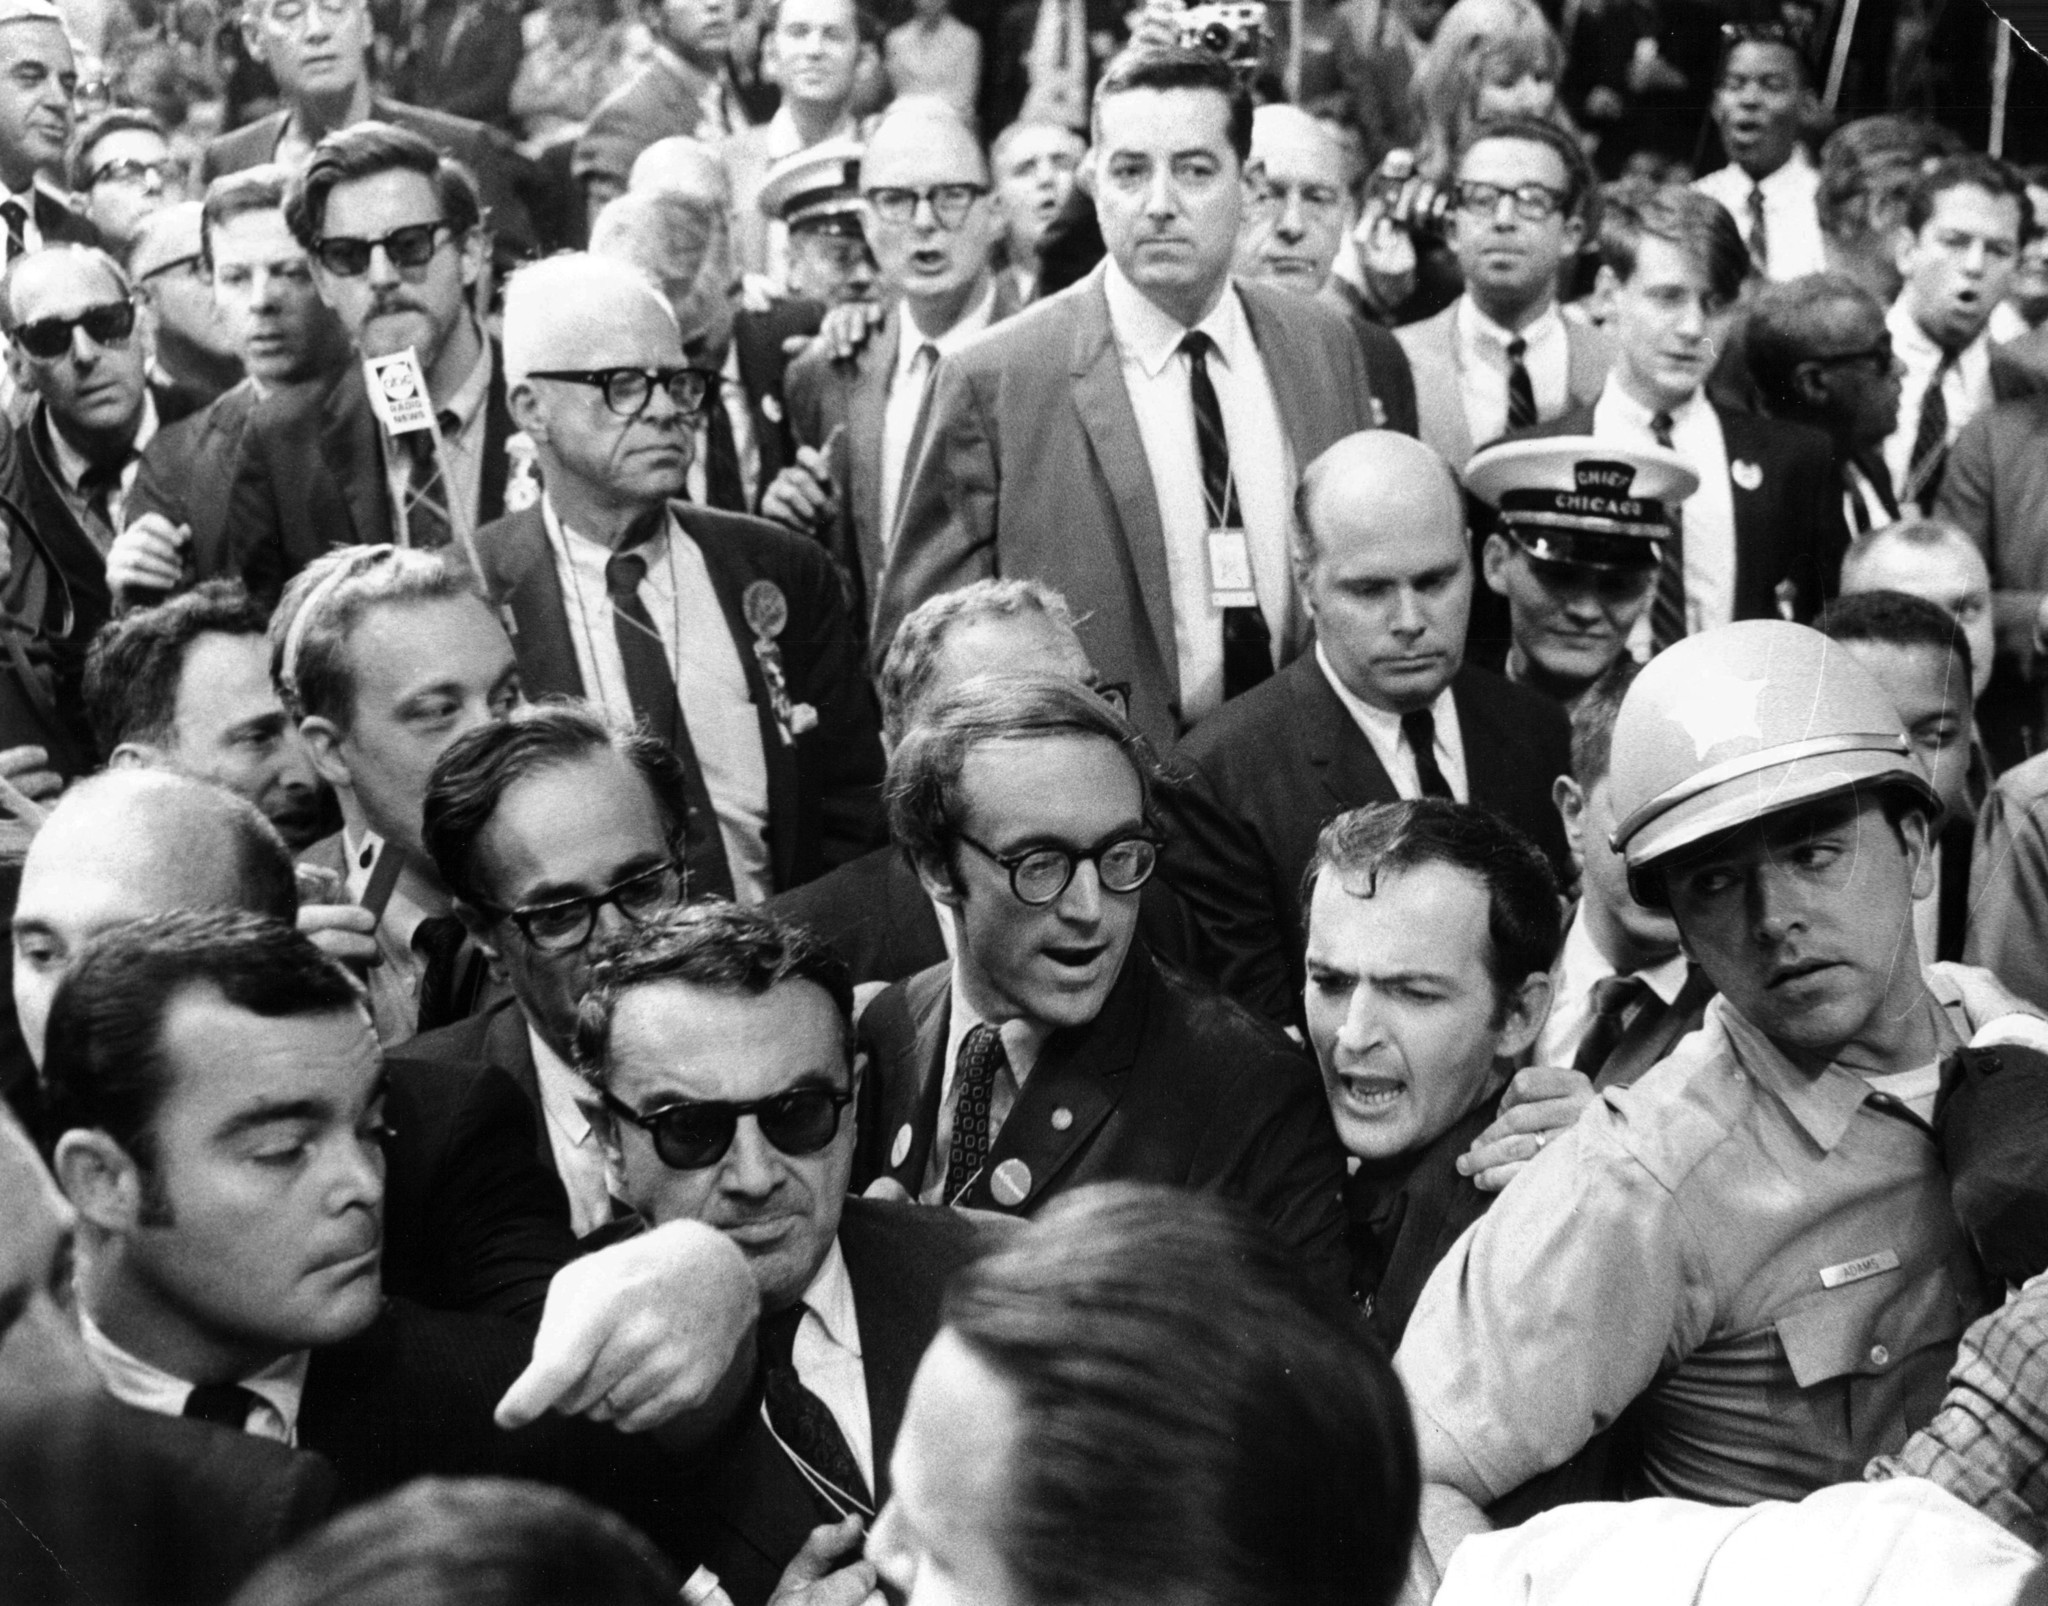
{"points": [[1011, 1182], [899, 1151], [1062, 1118]]}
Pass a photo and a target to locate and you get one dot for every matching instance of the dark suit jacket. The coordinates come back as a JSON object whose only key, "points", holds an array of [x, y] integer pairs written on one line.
{"points": [[503, 176], [1272, 767], [761, 340], [1029, 463], [310, 477], [1169, 1083], [1392, 376], [824, 789], [62, 223], [825, 394], [665, 97], [750, 1509], [108, 1503], [494, 1037], [1788, 525]]}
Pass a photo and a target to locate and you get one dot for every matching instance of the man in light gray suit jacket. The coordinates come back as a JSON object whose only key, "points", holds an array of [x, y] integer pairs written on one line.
{"points": [[1504, 355], [1134, 441]]}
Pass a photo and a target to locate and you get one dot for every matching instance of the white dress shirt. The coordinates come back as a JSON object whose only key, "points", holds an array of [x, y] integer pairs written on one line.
{"points": [[827, 1357], [73, 467], [1792, 244], [1021, 1043], [1709, 512], [1156, 375], [130, 1379], [1482, 352], [1581, 964], [566, 1103], [908, 381], [394, 983], [1390, 742], [462, 448], [710, 677], [1966, 388], [732, 396]]}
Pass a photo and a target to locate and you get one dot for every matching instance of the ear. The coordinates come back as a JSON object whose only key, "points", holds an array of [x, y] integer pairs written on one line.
{"points": [[523, 402], [1493, 563], [1574, 236], [1084, 174], [1904, 242], [1528, 1008], [137, 756], [480, 927], [1808, 384], [1917, 833], [19, 369], [252, 34], [1606, 285], [1571, 809], [100, 1179], [323, 741], [936, 877], [476, 254]]}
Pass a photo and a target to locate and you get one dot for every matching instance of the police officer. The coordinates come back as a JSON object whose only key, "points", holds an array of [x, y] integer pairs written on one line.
{"points": [[1754, 1245], [815, 195], [1579, 531]]}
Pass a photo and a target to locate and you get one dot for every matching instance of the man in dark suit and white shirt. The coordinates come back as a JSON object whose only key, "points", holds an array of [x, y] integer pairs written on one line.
{"points": [[38, 78], [725, 633], [1156, 408], [1382, 708]]}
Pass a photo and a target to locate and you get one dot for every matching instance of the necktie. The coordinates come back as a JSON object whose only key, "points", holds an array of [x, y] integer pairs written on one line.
{"points": [[1613, 998], [427, 493], [99, 488], [447, 987], [225, 1405], [805, 1424], [1521, 392], [981, 1056], [652, 688], [16, 219], [1930, 438], [1419, 731], [1247, 643], [1759, 237], [724, 485], [1667, 605]]}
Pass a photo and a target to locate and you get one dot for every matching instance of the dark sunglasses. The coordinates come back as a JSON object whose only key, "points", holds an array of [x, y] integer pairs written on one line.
{"points": [[693, 1135], [50, 338], [410, 249]]}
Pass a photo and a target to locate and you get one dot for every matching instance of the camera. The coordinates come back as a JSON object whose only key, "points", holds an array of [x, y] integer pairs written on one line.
{"points": [[1236, 30]]}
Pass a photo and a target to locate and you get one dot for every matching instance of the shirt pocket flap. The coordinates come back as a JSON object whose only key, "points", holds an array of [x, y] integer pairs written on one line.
{"points": [[1870, 1326]]}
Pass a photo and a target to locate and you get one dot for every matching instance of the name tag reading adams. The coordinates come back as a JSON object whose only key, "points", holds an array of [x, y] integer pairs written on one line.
{"points": [[398, 392], [1230, 570], [1854, 1271]]}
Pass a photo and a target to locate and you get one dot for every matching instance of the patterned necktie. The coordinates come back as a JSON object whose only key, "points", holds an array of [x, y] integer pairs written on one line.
{"points": [[1521, 391], [427, 490], [1759, 236], [1247, 643], [16, 219], [225, 1405], [1613, 998], [651, 685], [1419, 731], [725, 487], [1667, 605], [1930, 438], [981, 1057], [809, 1432]]}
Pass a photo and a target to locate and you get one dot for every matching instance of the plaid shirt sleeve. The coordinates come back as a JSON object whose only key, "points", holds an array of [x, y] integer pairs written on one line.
{"points": [[1988, 1445]]}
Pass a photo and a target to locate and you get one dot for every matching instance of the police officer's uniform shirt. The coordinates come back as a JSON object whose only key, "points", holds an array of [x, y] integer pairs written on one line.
{"points": [[462, 448], [1156, 377], [1021, 1043], [1482, 349], [711, 679], [1709, 512], [1390, 742], [908, 381], [827, 1357], [732, 397], [566, 1104], [1792, 243], [1581, 965], [1966, 387], [278, 1387]]}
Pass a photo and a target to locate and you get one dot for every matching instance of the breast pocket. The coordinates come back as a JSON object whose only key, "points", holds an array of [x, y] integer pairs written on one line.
{"points": [[1871, 1325]]}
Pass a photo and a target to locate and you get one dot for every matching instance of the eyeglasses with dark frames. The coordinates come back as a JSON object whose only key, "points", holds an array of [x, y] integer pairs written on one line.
{"points": [[627, 391], [565, 925], [1534, 203], [108, 324], [152, 176], [694, 1134], [950, 203], [409, 248], [1038, 876]]}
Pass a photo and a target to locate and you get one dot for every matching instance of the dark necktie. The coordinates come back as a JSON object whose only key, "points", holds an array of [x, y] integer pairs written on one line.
{"points": [[16, 218], [1419, 730], [98, 487], [1930, 438], [1667, 604], [981, 1057], [1247, 643], [809, 1432], [428, 493], [447, 987], [652, 688], [725, 487], [1759, 237], [1613, 998], [225, 1405], [1521, 391]]}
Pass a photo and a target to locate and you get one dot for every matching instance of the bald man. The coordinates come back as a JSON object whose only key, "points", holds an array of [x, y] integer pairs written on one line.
{"points": [[1300, 211], [1382, 708], [727, 635]]}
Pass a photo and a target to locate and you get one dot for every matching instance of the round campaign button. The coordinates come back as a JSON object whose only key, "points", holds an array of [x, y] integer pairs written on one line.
{"points": [[1062, 1119], [766, 609], [1011, 1183], [899, 1151]]}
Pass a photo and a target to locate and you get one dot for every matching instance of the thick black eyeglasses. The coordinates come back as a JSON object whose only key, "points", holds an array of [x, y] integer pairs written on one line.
{"points": [[627, 391], [1533, 202], [410, 249], [950, 202], [109, 324], [566, 925], [692, 1135], [1039, 875]]}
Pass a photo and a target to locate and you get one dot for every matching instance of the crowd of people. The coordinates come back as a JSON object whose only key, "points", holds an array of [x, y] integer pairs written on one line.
{"points": [[1003, 804]]}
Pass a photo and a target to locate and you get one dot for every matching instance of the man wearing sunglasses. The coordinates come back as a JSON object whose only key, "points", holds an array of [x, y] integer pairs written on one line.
{"points": [[725, 634], [719, 1047], [1053, 1050], [121, 170]]}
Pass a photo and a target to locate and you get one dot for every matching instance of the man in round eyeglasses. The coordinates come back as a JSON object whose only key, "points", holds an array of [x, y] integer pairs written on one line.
{"points": [[718, 1046], [1052, 1050], [121, 169]]}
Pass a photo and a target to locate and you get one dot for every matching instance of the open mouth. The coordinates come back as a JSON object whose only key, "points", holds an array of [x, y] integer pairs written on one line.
{"points": [[1075, 956], [1370, 1095]]}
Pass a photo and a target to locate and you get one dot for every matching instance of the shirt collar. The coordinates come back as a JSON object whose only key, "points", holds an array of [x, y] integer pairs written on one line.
{"points": [[467, 401], [144, 1384], [1380, 720], [72, 464], [565, 1097], [1920, 350], [829, 1297], [1788, 179], [1151, 336], [972, 322], [1581, 963], [1478, 328], [1022, 1039], [1619, 404], [780, 138]]}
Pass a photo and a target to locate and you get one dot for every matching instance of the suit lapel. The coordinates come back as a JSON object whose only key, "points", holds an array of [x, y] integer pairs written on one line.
{"points": [[867, 401], [507, 1046], [1757, 505], [355, 458], [1490, 751], [1653, 1034], [1351, 772], [490, 501], [1587, 359], [1448, 409], [1104, 405], [519, 572], [912, 1101]]}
